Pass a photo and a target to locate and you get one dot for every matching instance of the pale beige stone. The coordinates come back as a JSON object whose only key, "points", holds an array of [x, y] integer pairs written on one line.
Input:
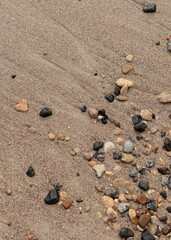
{"points": [[108, 202], [93, 112], [51, 136], [123, 82], [164, 97], [22, 106], [146, 114], [129, 58]]}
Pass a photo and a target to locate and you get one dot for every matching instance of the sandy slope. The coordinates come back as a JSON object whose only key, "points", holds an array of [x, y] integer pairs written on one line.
{"points": [[98, 34]]}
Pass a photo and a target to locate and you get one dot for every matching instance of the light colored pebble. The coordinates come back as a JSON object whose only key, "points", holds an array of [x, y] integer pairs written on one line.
{"points": [[99, 169], [123, 82], [87, 206], [146, 114], [51, 136], [109, 146], [88, 156], [108, 202], [128, 146], [164, 97], [22, 106], [93, 112], [127, 158], [129, 58]]}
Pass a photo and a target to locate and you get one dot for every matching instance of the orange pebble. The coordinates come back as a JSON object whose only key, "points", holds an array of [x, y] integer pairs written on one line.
{"points": [[30, 237]]}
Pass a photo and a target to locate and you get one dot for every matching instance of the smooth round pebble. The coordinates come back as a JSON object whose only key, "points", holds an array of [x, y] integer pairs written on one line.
{"points": [[128, 146]]}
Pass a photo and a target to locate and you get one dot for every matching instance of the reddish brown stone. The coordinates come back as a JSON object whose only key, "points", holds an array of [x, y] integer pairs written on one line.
{"points": [[67, 203], [144, 220], [142, 199]]}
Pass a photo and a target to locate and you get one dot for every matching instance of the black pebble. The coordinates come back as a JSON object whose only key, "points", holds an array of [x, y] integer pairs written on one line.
{"points": [[95, 74], [45, 112], [97, 146], [149, 8], [163, 170], [163, 194], [151, 204], [45, 53], [163, 133], [146, 235], [168, 209], [126, 233], [13, 76], [109, 97], [100, 156], [169, 116], [117, 155], [112, 192], [143, 184], [30, 172], [136, 119], [117, 91], [52, 197], [102, 112], [139, 138], [163, 219], [57, 186], [140, 127], [117, 124], [166, 229], [103, 120], [83, 108], [167, 144], [77, 174], [153, 116], [169, 182], [142, 171]]}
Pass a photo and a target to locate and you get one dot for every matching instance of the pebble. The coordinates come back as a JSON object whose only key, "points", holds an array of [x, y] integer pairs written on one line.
{"points": [[163, 133], [97, 145], [108, 146], [88, 156], [45, 112], [163, 219], [163, 194], [164, 97], [122, 82], [117, 131], [164, 181], [168, 209], [150, 163], [8, 191], [126, 68], [166, 229], [110, 212], [99, 169], [143, 184], [122, 198], [83, 108], [30, 172], [124, 90], [61, 137], [100, 156], [121, 98], [146, 114], [146, 235], [122, 183], [163, 170], [147, 151], [93, 112], [129, 58], [92, 163], [169, 182], [32, 130], [123, 207], [133, 172], [117, 91], [52, 197], [140, 127], [167, 144], [136, 119], [128, 146], [13, 76], [67, 203], [127, 158], [152, 204], [100, 188], [133, 216], [149, 8], [112, 192], [22, 106], [142, 198], [108, 202], [30, 237], [153, 129], [51, 136], [67, 139], [169, 45], [109, 97], [62, 195], [126, 233], [117, 155], [144, 220]]}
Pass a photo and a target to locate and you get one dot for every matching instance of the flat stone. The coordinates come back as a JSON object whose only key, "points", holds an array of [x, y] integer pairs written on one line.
{"points": [[144, 220], [143, 184], [32, 130], [129, 58], [128, 146], [108, 146], [87, 206], [108, 202], [123, 207], [142, 198], [51, 136], [93, 112], [88, 156], [22, 106], [127, 158], [123, 184], [146, 114], [122, 198], [146, 235], [52, 197], [121, 98], [122, 82], [124, 90], [133, 172], [92, 163], [109, 97], [117, 131], [126, 68], [99, 169], [126, 233], [164, 97], [45, 112], [149, 8], [133, 216], [152, 204], [67, 203]]}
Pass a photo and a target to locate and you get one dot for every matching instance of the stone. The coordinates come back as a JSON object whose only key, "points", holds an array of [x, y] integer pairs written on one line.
{"points": [[169, 45], [67, 139], [166, 229], [122, 198], [51, 136], [140, 127], [163, 170], [164, 181], [88, 155], [52, 197], [143, 184], [108, 202], [169, 182], [149, 8], [152, 204], [147, 151], [92, 163], [97, 145], [112, 214], [168, 209], [117, 131], [117, 124], [100, 188], [133, 172], [153, 129], [146, 114], [144, 220], [126, 68], [122, 82], [93, 112], [67, 203], [13, 76], [112, 192], [45, 112], [99, 169], [62, 195], [117, 155], [32, 130], [30, 172], [123, 207], [146, 235], [87, 206], [109, 97], [83, 108], [8, 191], [108, 146], [142, 198], [121, 98], [163, 133], [22, 106], [136, 119], [61, 137], [133, 216], [150, 163], [164, 97], [100, 156], [128, 146], [163, 219], [124, 90], [167, 144], [163, 194], [122, 183], [126, 233], [117, 91], [129, 58], [127, 158]]}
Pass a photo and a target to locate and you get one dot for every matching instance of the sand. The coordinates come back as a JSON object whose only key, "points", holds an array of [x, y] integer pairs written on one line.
{"points": [[80, 38]]}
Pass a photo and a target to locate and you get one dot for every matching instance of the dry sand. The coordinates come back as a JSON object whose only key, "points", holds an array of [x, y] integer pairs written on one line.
{"points": [[98, 35]]}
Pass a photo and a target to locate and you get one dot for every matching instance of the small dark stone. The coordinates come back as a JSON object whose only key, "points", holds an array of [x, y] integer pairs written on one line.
{"points": [[166, 229], [140, 127], [30, 172], [149, 8], [112, 192], [97, 145], [117, 91], [146, 235], [167, 144], [136, 119], [126, 233], [135, 155], [163, 194], [103, 120], [13, 76], [150, 163], [109, 97], [9, 224], [169, 182], [158, 43], [151, 204], [143, 184], [45, 53], [169, 116], [83, 108], [153, 116], [95, 74], [163, 170], [163, 219], [52, 197], [117, 124], [133, 172], [77, 174], [101, 156], [163, 133], [117, 155], [139, 138], [169, 45], [57, 186], [45, 112], [102, 112], [142, 171], [168, 209]]}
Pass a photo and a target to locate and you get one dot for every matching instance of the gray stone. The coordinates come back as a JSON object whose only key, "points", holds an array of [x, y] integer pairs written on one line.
{"points": [[112, 192], [133, 172], [108, 146], [99, 169], [123, 207], [128, 146], [164, 181], [150, 163]]}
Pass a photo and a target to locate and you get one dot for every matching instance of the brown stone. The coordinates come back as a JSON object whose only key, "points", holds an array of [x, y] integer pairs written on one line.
{"points": [[122, 198], [127, 158], [147, 151], [146, 114], [126, 68], [108, 202], [88, 156], [121, 98], [164, 97], [92, 163], [8, 191], [133, 216], [22, 106], [142, 198], [168, 38], [117, 131], [93, 112], [124, 90], [61, 137], [67, 139], [67, 203], [99, 188], [144, 220], [153, 129], [51, 136], [32, 130], [122, 183]]}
